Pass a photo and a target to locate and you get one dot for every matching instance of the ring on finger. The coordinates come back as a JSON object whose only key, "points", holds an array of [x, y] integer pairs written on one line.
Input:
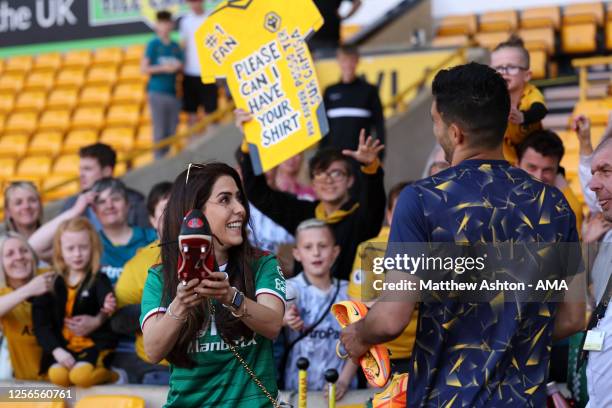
{"points": [[226, 276]]}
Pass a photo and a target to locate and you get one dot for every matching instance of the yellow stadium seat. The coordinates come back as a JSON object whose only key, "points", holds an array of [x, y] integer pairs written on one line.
{"points": [[14, 145], [119, 138], [143, 160], [578, 38], [22, 63], [66, 165], [7, 101], [40, 80], [34, 166], [491, 40], [123, 115], [450, 41], [609, 33], [50, 61], [120, 169], [570, 141], [134, 53], [21, 122], [77, 58], [129, 93], [594, 110], [63, 98], [493, 21], [144, 137], [131, 73], [64, 191], [1, 71], [30, 101], [539, 38], [541, 17], [455, 25], [2, 120], [46, 142], [7, 167], [108, 56], [539, 61], [76, 139], [12, 82], [102, 75], [88, 118], [115, 401], [70, 78], [58, 119], [583, 12], [96, 95], [145, 115]]}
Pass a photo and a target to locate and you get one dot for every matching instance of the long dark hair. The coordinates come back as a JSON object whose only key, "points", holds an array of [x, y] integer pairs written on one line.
{"points": [[184, 197]]}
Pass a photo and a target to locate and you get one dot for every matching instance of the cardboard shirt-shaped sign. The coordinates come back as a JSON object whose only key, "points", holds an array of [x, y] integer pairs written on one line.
{"points": [[259, 47]]}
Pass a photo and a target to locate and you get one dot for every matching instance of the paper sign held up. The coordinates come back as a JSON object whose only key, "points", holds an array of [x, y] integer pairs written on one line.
{"points": [[259, 47]]}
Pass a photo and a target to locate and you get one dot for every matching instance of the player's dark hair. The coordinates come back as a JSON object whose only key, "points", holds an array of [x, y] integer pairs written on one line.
{"points": [[475, 98], [103, 153], [517, 43], [545, 142], [324, 158]]}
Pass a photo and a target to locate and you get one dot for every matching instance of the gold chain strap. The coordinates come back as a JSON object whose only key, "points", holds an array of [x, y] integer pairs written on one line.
{"points": [[256, 380]]}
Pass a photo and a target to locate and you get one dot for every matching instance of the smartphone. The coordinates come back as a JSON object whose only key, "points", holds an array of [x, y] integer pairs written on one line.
{"points": [[196, 247]]}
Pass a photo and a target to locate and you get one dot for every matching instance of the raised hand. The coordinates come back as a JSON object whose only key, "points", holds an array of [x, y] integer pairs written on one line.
{"points": [[367, 151], [41, 284], [516, 116], [241, 117]]}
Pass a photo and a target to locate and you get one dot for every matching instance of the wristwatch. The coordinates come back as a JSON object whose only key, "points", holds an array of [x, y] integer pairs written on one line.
{"points": [[236, 302]]}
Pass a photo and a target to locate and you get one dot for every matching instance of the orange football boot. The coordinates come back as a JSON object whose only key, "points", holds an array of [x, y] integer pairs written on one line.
{"points": [[375, 363]]}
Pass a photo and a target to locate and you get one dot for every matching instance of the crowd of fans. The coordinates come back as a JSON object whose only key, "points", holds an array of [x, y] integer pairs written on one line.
{"points": [[71, 289]]}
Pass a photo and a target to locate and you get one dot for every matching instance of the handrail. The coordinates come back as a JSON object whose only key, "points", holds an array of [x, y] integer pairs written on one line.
{"points": [[398, 104], [583, 75], [172, 140]]}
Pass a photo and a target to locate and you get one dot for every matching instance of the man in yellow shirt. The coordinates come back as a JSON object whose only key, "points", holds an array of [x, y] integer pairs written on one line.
{"points": [[362, 278], [539, 155], [131, 284]]}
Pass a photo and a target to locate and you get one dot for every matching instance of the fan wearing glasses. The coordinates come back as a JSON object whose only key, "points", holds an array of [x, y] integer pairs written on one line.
{"points": [[511, 60], [331, 171]]}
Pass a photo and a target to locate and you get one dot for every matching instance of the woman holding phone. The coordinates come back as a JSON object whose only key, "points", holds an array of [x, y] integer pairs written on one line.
{"points": [[216, 331]]}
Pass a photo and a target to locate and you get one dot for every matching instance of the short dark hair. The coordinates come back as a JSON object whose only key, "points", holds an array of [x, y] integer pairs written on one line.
{"points": [[159, 192], [476, 98], [164, 15], [517, 43], [350, 50], [115, 185], [325, 157], [545, 142], [395, 191], [103, 153]]}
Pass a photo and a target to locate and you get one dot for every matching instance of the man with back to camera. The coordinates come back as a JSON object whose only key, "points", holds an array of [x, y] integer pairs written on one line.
{"points": [[97, 161], [474, 354]]}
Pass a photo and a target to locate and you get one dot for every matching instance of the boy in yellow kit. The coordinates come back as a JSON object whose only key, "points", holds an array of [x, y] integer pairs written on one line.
{"points": [[360, 287], [527, 106]]}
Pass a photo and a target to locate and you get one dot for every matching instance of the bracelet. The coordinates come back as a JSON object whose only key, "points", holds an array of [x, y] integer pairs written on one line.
{"points": [[175, 317]]}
